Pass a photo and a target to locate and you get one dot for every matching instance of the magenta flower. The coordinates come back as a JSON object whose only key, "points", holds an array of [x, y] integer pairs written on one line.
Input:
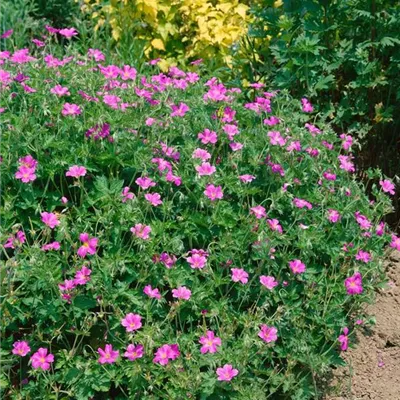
{"points": [[126, 194], [16, 240], [153, 293], [202, 154], [21, 348], [297, 266], [153, 198], [363, 221], [387, 186], [51, 246], [300, 203], [226, 373], [89, 245], [208, 136], [108, 355], [205, 169], [128, 73], [141, 231], [346, 164], [179, 111], [347, 141], [145, 182], [76, 171], [71, 109], [239, 275], [247, 178], [50, 219], [96, 54], [132, 322], [68, 32], [41, 359], [268, 333], [353, 284], [165, 353], [306, 105], [210, 343], [258, 212], [363, 256], [133, 352], [60, 91], [197, 261], [231, 130], [25, 174], [181, 293], [275, 225], [395, 243], [344, 339], [268, 281], [82, 277], [276, 139], [214, 192], [333, 215], [380, 229], [167, 260]]}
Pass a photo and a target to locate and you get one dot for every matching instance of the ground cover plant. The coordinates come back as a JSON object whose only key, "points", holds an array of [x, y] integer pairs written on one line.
{"points": [[166, 236]]}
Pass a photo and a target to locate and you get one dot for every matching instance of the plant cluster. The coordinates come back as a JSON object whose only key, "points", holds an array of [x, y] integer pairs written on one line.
{"points": [[168, 236]]}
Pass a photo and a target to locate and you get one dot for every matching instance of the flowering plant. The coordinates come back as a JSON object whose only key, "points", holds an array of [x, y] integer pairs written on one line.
{"points": [[171, 237]]}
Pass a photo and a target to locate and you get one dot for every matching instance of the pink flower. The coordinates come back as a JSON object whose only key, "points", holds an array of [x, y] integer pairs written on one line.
{"points": [[213, 192], [21, 348], [312, 129], [51, 246], [181, 293], [395, 244], [205, 169], [258, 212], [41, 359], [153, 198], [226, 373], [333, 215], [141, 231], [145, 182], [363, 256], [297, 266], [165, 353], [133, 352], [179, 111], [363, 221], [68, 285], [68, 32], [274, 225], [108, 355], [60, 91], [268, 281], [344, 340], [82, 277], [268, 333], [202, 154], [346, 164], [247, 178], [300, 203], [275, 138], [387, 186], [50, 219], [64, 200], [25, 174], [239, 275], [347, 141], [132, 322], [329, 176], [128, 72], [126, 194], [231, 130], [96, 54], [307, 106], [353, 284], [197, 261], [153, 293], [209, 342], [167, 260], [7, 34], [76, 171], [271, 121], [235, 146], [71, 109], [89, 245], [208, 136], [380, 229]]}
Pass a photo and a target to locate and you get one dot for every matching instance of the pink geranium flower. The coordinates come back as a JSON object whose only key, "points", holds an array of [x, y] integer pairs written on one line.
{"points": [[205, 169], [21, 348], [197, 261], [50, 219], [51, 246], [268, 333], [133, 352], [165, 353], [132, 322], [141, 231], [258, 212], [145, 182], [226, 373], [353, 284], [346, 163], [276, 139], [76, 171], [307, 106], [60, 91], [344, 339], [239, 275], [275, 225], [179, 111], [300, 203], [71, 109], [89, 245], [153, 293], [153, 198], [181, 293], [41, 359], [68, 32], [387, 186], [108, 355], [208, 136], [268, 281], [247, 178], [126, 194], [214, 192], [210, 343], [363, 256], [82, 277], [297, 266], [333, 215], [395, 243], [201, 154], [167, 260], [25, 174]]}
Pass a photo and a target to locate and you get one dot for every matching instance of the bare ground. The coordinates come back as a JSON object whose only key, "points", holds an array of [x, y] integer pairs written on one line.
{"points": [[373, 370]]}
